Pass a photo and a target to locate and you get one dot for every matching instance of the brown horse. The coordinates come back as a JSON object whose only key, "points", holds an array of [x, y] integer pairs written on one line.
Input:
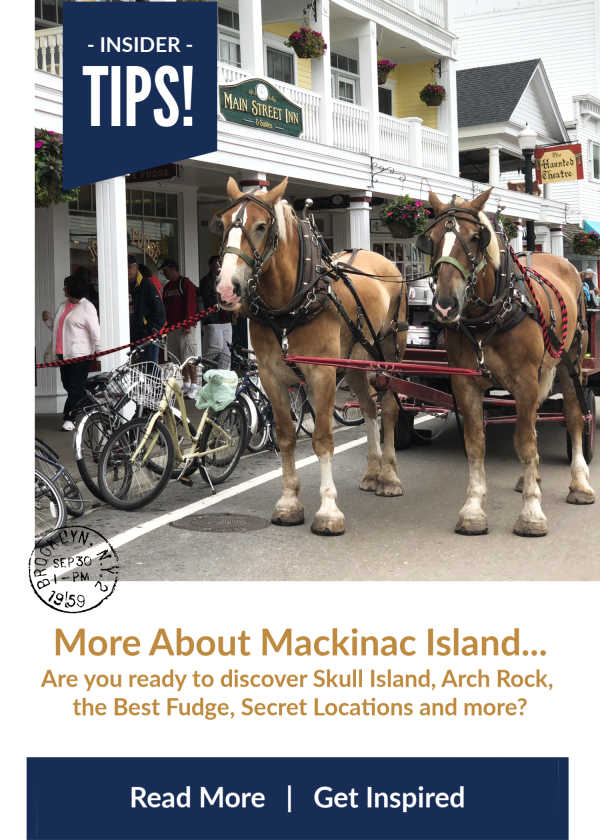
{"points": [[259, 272], [487, 325]]}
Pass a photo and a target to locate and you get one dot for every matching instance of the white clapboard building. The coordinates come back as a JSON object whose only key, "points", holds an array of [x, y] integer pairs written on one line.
{"points": [[361, 143], [566, 38]]}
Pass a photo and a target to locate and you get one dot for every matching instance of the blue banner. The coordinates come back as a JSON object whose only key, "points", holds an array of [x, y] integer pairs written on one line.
{"points": [[140, 87], [297, 798]]}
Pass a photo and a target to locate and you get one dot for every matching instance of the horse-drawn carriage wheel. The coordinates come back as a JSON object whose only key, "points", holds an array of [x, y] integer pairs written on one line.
{"points": [[403, 430], [589, 429]]}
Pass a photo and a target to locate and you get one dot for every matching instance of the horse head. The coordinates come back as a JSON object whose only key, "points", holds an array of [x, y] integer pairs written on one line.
{"points": [[463, 247], [251, 228]]}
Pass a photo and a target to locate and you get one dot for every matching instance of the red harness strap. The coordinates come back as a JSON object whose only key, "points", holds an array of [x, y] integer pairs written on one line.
{"points": [[556, 354]]}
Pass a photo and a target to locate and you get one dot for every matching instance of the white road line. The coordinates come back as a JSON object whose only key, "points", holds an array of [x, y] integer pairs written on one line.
{"points": [[153, 524], [146, 527]]}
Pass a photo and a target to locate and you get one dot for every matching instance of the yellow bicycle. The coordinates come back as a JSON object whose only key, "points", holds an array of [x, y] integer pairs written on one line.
{"points": [[141, 456]]}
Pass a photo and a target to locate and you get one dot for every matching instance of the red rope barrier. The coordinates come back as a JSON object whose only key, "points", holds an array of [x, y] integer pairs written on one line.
{"points": [[188, 322], [556, 354]]}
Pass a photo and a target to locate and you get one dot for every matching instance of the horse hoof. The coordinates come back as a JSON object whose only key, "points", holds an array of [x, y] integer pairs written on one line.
{"points": [[368, 484], [327, 527], [471, 527], [529, 528], [290, 517], [580, 497], [389, 488]]}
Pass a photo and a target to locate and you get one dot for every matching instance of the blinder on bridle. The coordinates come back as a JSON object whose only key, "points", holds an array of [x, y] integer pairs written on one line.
{"points": [[257, 261], [453, 215]]}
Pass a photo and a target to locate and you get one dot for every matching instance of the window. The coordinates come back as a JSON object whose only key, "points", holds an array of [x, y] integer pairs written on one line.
{"points": [[596, 161], [229, 19], [344, 78], [230, 52], [280, 65], [385, 101], [343, 62], [229, 38], [48, 13]]}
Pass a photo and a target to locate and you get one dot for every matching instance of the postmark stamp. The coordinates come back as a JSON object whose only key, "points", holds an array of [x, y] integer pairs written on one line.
{"points": [[74, 571]]}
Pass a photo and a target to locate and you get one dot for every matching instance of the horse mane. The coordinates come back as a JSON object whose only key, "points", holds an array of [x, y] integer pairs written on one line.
{"points": [[284, 213], [493, 249]]}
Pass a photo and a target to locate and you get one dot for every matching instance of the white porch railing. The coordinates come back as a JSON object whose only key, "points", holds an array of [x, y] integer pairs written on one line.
{"points": [[49, 50], [307, 100], [394, 138], [433, 10], [350, 127], [435, 149]]}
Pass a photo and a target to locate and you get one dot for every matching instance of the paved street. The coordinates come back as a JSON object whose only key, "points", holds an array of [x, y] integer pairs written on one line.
{"points": [[407, 538]]}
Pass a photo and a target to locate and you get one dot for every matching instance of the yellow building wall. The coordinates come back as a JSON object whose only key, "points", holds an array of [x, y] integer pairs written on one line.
{"points": [[304, 74], [410, 80]]}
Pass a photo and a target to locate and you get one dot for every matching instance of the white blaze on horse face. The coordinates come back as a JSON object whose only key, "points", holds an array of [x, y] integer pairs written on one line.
{"points": [[229, 266]]}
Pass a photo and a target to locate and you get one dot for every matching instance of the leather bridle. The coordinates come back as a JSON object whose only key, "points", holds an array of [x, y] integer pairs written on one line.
{"points": [[453, 215], [257, 261]]}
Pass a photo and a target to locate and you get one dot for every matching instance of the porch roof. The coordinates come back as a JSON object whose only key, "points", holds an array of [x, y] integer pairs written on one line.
{"points": [[491, 94]]}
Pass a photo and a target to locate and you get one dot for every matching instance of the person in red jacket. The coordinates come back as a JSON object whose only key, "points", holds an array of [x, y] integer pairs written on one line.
{"points": [[180, 299]]}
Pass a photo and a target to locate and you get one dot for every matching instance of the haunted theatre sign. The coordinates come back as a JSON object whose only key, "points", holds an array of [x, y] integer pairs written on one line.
{"points": [[257, 103], [556, 164]]}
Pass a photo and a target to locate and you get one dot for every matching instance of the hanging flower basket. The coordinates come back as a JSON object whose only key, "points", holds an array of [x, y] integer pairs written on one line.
{"points": [[307, 43], [586, 243], [433, 94], [406, 217], [384, 68], [509, 226], [49, 171]]}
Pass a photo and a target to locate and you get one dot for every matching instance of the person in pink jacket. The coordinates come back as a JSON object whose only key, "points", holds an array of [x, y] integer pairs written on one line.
{"points": [[76, 332]]}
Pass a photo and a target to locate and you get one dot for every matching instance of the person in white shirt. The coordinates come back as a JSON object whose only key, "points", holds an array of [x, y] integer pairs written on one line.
{"points": [[75, 332]]}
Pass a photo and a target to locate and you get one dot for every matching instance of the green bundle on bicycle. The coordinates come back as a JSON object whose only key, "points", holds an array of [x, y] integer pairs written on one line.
{"points": [[142, 455]]}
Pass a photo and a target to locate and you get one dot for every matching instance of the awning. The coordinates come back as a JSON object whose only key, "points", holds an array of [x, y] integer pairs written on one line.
{"points": [[591, 227]]}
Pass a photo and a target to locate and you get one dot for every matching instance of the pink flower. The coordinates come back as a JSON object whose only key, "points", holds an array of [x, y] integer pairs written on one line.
{"points": [[390, 213], [39, 144], [418, 203]]}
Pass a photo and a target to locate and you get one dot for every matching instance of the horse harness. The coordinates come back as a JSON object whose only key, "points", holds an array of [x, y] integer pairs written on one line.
{"points": [[315, 273], [510, 303]]}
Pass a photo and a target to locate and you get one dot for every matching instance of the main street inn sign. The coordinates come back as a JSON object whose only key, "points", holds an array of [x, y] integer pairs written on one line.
{"points": [[257, 103]]}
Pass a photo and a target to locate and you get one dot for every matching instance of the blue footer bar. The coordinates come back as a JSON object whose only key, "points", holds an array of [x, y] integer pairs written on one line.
{"points": [[297, 798]]}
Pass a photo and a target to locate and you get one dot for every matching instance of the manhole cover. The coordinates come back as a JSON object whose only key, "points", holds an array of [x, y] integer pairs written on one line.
{"points": [[221, 523]]}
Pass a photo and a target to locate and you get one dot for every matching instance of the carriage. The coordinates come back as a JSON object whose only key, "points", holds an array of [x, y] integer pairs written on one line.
{"points": [[505, 324]]}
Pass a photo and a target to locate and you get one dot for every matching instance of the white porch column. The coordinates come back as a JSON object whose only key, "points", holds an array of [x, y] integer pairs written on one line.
{"points": [[251, 43], [52, 265], [557, 242], [321, 76], [360, 221], [369, 95], [494, 166], [111, 226], [448, 113], [191, 256], [517, 242], [415, 141]]}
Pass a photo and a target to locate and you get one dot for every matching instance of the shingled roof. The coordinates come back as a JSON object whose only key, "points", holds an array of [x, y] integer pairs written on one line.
{"points": [[491, 94]]}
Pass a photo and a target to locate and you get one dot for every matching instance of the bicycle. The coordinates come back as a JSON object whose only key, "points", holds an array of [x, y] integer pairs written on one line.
{"points": [[255, 402], [111, 405], [49, 508], [48, 463], [139, 457]]}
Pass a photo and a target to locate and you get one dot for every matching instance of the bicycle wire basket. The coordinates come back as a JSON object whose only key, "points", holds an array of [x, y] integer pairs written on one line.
{"points": [[148, 381]]}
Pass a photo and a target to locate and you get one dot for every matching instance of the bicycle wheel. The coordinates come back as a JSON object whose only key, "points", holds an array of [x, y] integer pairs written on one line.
{"points": [[127, 483], [346, 409], [223, 440], [50, 510], [303, 415], [259, 440], [91, 436], [60, 477]]}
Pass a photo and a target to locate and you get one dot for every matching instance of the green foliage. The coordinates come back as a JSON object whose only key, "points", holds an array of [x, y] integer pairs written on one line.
{"points": [[409, 212], [49, 170]]}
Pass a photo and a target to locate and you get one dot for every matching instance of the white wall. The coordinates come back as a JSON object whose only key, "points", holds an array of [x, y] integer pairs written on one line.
{"points": [[566, 36]]}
